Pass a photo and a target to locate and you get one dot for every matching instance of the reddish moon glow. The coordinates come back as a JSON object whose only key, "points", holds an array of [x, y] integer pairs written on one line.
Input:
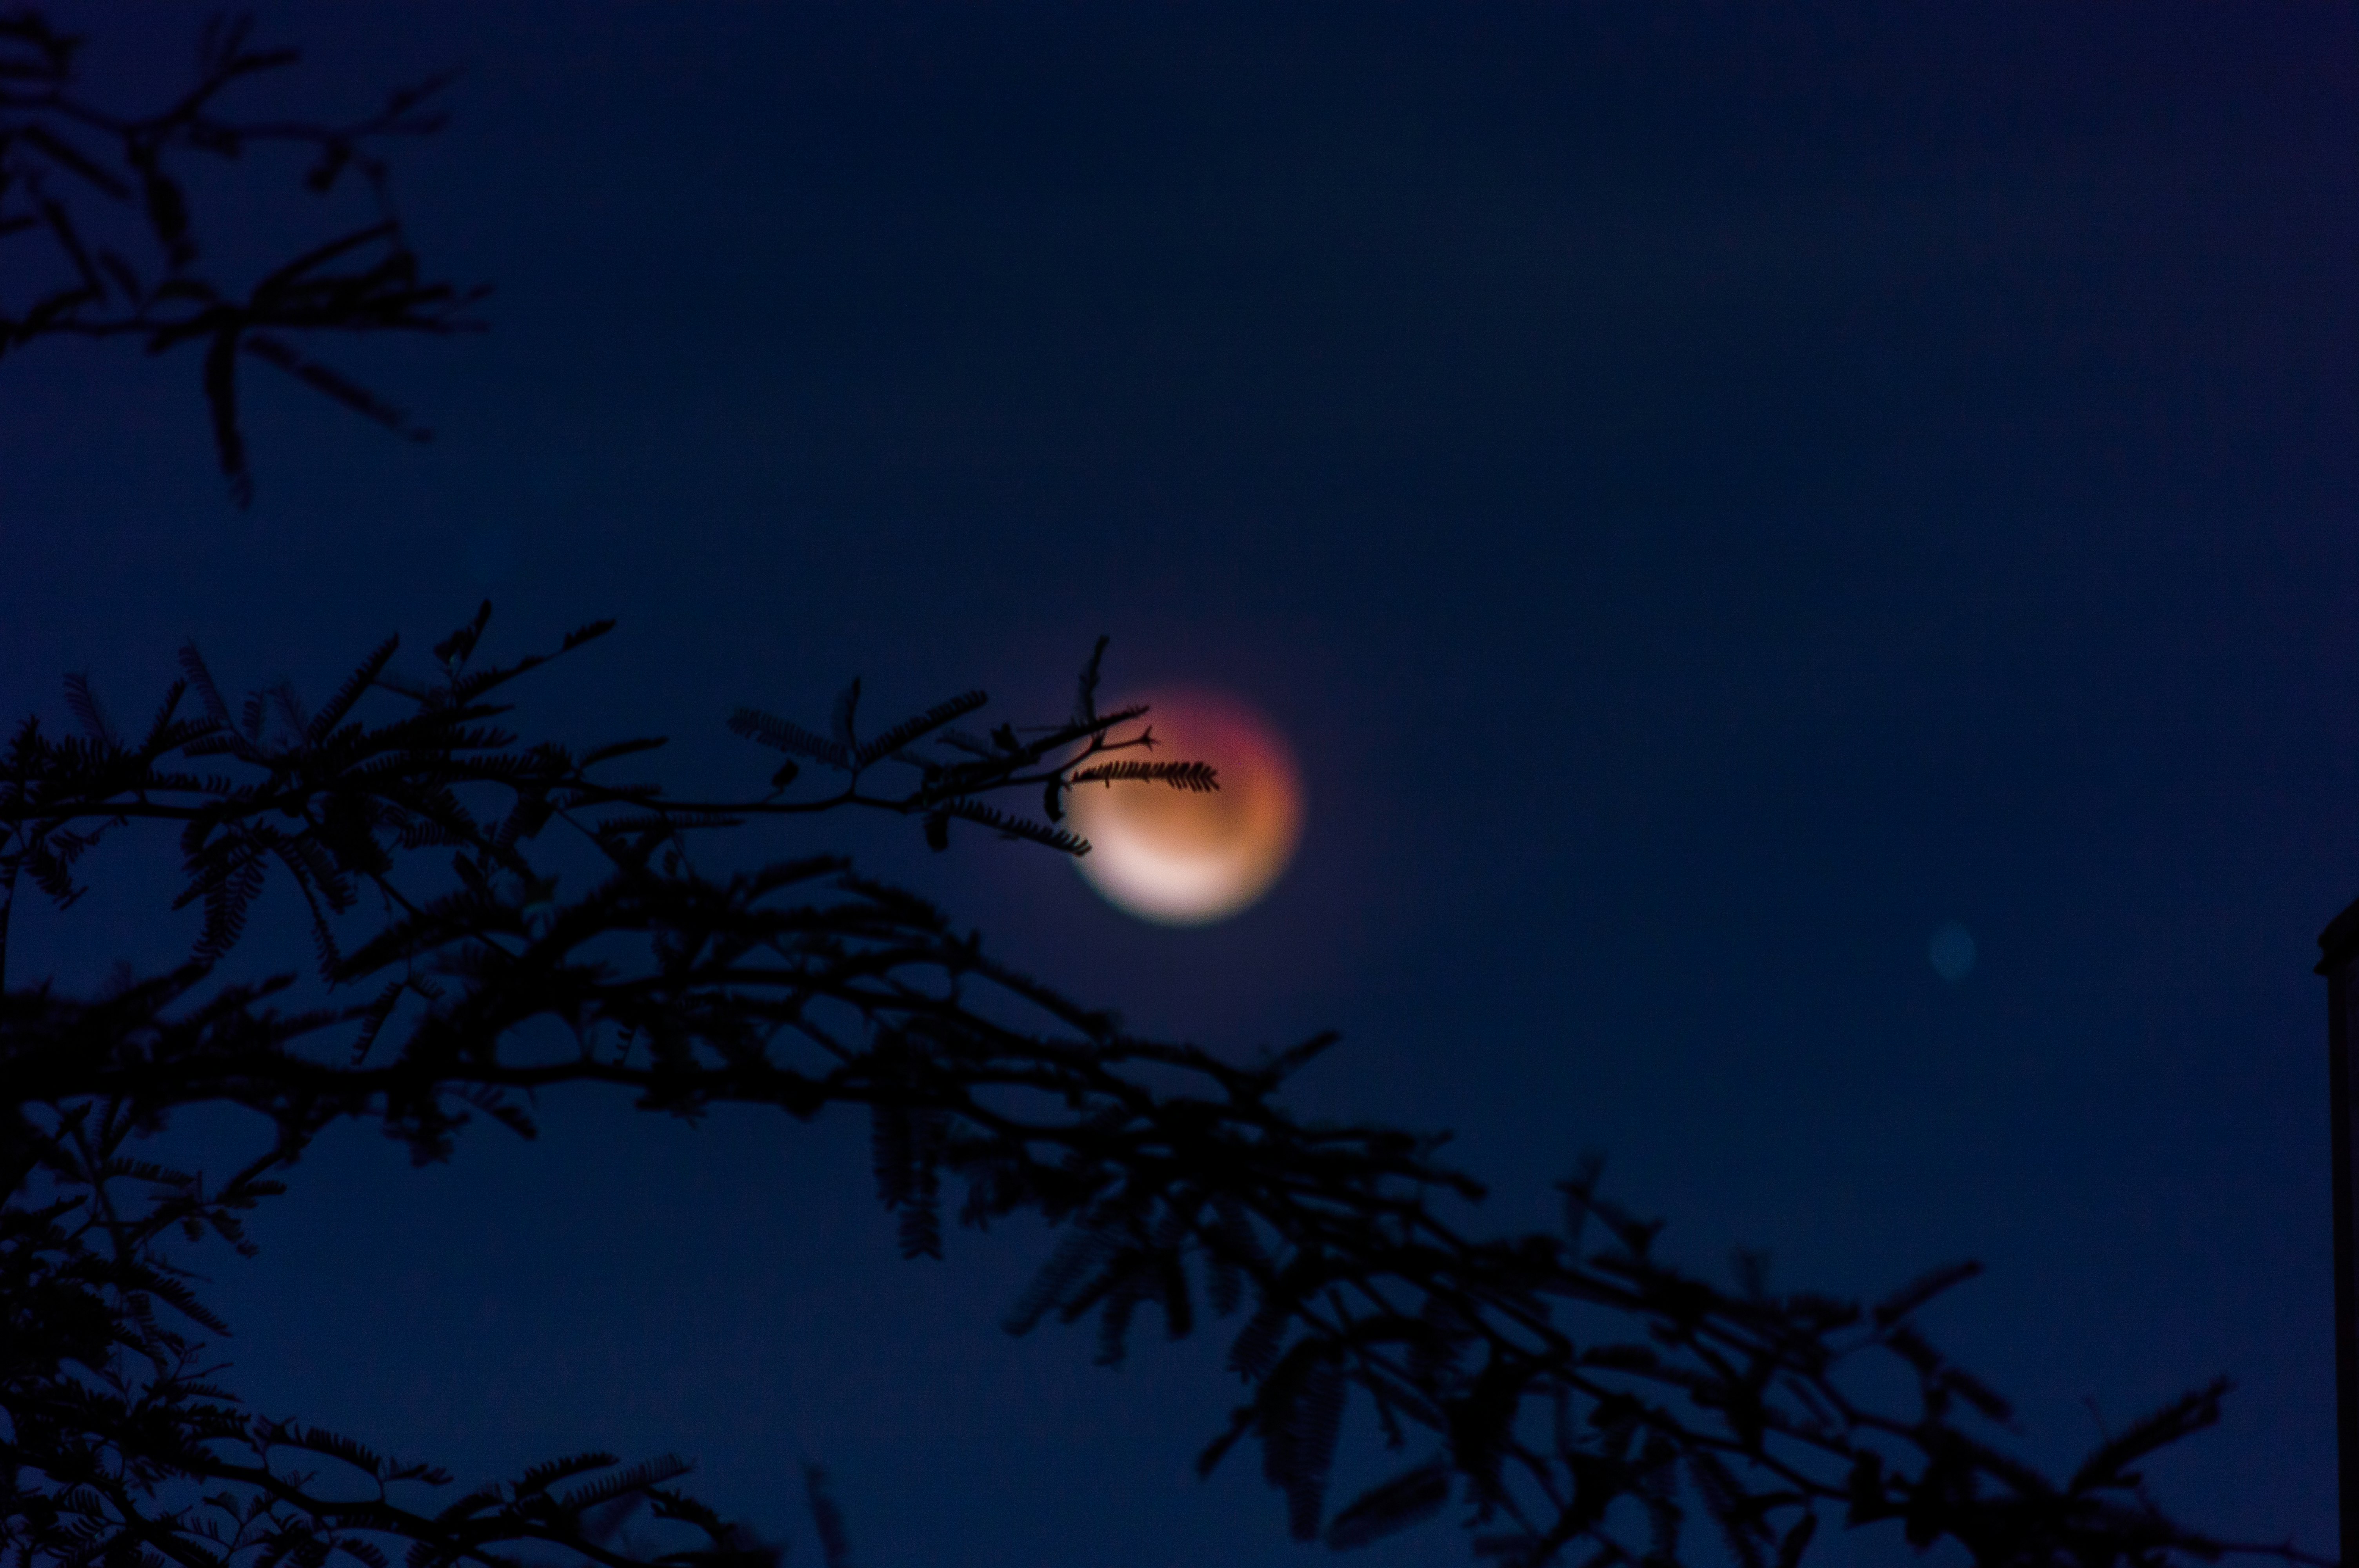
{"points": [[1179, 858]]}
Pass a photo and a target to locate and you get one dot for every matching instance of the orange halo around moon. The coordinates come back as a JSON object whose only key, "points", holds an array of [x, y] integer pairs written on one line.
{"points": [[1181, 858]]}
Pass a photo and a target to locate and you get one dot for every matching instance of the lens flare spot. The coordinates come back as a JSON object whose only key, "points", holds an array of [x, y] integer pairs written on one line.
{"points": [[1951, 951]]}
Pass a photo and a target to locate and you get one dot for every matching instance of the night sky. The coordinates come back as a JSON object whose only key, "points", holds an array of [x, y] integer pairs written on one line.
{"points": [[1714, 495]]}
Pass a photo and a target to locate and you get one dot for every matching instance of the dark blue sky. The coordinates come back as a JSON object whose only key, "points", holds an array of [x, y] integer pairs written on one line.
{"points": [[1713, 495]]}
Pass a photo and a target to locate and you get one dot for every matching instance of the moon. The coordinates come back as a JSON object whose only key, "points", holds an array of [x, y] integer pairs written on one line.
{"points": [[1181, 858]]}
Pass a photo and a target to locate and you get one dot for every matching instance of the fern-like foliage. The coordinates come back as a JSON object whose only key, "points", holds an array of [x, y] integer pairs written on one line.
{"points": [[1573, 1395], [108, 244], [1197, 778]]}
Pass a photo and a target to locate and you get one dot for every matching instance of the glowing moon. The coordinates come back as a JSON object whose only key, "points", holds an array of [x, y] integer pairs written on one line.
{"points": [[1181, 858]]}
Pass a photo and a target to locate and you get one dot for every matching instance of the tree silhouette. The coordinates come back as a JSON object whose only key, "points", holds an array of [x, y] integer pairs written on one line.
{"points": [[1573, 1395]]}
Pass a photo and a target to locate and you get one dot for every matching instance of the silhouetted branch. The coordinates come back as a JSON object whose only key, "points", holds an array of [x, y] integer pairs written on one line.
{"points": [[137, 270], [1579, 1397]]}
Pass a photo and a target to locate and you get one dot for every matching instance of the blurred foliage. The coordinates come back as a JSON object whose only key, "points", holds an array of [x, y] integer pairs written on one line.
{"points": [[105, 241]]}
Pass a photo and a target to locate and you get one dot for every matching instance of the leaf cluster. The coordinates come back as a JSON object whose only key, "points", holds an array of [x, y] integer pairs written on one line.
{"points": [[101, 195], [1573, 1395]]}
